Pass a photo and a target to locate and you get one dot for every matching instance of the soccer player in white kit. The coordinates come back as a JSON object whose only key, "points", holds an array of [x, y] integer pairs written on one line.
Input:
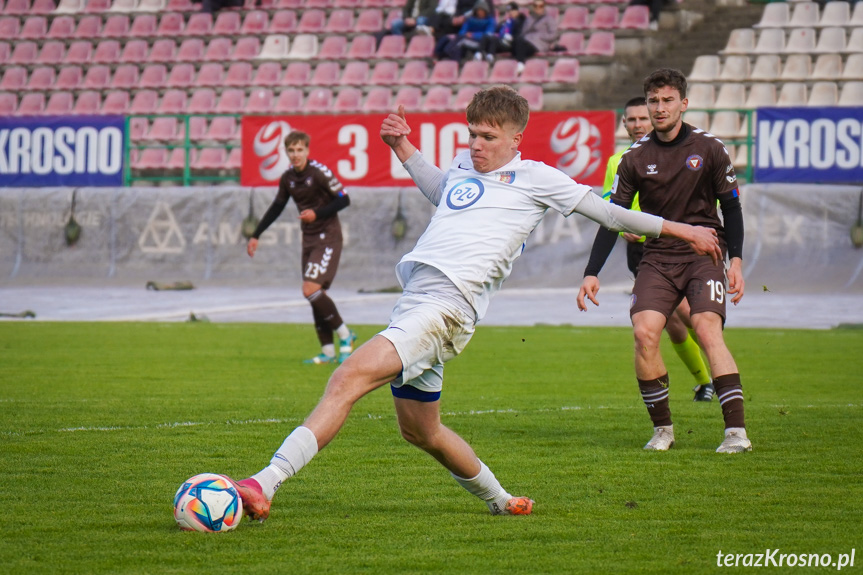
{"points": [[487, 204]]}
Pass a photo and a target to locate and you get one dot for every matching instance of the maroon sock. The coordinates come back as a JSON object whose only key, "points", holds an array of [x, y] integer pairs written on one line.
{"points": [[654, 392], [730, 393]]}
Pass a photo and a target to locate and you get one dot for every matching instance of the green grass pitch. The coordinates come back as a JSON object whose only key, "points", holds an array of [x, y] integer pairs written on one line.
{"points": [[101, 422]]}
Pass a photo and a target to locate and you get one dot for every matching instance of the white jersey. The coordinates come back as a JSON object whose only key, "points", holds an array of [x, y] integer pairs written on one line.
{"points": [[483, 220]]}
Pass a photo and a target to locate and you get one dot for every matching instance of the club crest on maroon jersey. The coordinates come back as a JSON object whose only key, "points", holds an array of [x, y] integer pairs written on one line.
{"points": [[694, 162]]}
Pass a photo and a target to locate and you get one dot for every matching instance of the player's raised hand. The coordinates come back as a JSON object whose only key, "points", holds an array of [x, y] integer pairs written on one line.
{"points": [[252, 247], [395, 128], [735, 279], [589, 288]]}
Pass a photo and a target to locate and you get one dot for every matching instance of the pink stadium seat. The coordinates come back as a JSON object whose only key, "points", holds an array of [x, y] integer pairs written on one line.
{"points": [[260, 101], [203, 101], [223, 129], [355, 74], [97, 6], [575, 18], [311, 22], [369, 21], [172, 102], [5, 51], [474, 72], [298, 74], [89, 28], [180, 6], [290, 101], [438, 99], [116, 26], [163, 130], [9, 27], [565, 71], [218, 50], [191, 50], [573, 42], [353, 4], [144, 26], [420, 46], [341, 21], [320, 100], [62, 28], [410, 97], [228, 23], [88, 103], [200, 24], [533, 94], [24, 53], [79, 52], [210, 74], [349, 101], [70, 78], [444, 72], [60, 104], [210, 159], [52, 53], [154, 76], [246, 49], [379, 101], [255, 23], [17, 7], [44, 7], [134, 52], [231, 101], [150, 159], [268, 74], [326, 74], [125, 77], [635, 18], [415, 73], [283, 22], [385, 73], [41, 79], [116, 103], [34, 28], [289, 4], [503, 72], [8, 103], [171, 25], [144, 102], [362, 47], [98, 77], [181, 76], [464, 96], [321, 4], [32, 104], [600, 44], [392, 47], [535, 71], [239, 75], [604, 17], [197, 128], [164, 51], [235, 159], [333, 47], [14, 78]]}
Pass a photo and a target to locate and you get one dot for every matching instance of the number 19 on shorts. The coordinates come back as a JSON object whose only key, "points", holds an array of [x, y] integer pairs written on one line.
{"points": [[717, 291]]}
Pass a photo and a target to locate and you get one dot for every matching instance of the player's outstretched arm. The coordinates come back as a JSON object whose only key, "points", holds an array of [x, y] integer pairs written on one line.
{"points": [[394, 133], [589, 288], [735, 279], [702, 240], [252, 247]]}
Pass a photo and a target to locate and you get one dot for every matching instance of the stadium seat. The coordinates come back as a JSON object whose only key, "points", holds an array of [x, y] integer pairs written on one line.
{"points": [[209, 159], [824, 94], [14, 79], [260, 101], [797, 67], [333, 47], [164, 51], [125, 77], [852, 94], [79, 52], [792, 94], [116, 26], [730, 95], [573, 42], [355, 74], [43, 7], [830, 41], [255, 23], [604, 17], [320, 100], [268, 74], [415, 73], [52, 53], [154, 76], [326, 74], [171, 25], [735, 69], [41, 79], [235, 158], [379, 100], [124, 6], [144, 26], [800, 41], [392, 47], [503, 72], [725, 124], [9, 27], [246, 49], [179, 6], [855, 40], [69, 7], [231, 101], [311, 22], [275, 47], [72, 78], [210, 74], [203, 101], [410, 97], [223, 129], [575, 18], [420, 46], [353, 4], [775, 15], [438, 99], [199, 24], [636, 17], [767, 68], [533, 94], [740, 41], [701, 95], [290, 101], [97, 6], [564, 71], [172, 102], [341, 21], [770, 41], [24, 53], [853, 67], [695, 118], [362, 47], [150, 159], [827, 67], [463, 97], [856, 16], [17, 7], [835, 13], [62, 28], [600, 44], [303, 47], [34, 28], [298, 74], [151, 5], [32, 104], [369, 21], [218, 50], [444, 72], [283, 22], [385, 73], [60, 104], [239, 74], [134, 52], [88, 102], [227, 23], [116, 103], [191, 50], [5, 52], [475, 72], [8, 103], [98, 77], [89, 28], [804, 15], [348, 101], [706, 68]]}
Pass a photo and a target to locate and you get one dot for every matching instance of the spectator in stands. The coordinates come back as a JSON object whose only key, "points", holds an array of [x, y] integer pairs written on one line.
{"points": [[655, 8], [501, 41], [479, 24], [213, 6], [537, 35], [449, 17], [417, 16]]}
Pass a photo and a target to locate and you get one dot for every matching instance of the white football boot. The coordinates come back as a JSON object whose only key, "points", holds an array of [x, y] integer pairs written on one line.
{"points": [[662, 440], [735, 441]]}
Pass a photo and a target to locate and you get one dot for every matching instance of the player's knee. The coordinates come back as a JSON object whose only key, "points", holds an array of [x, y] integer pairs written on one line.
{"points": [[646, 337], [414, 435]]}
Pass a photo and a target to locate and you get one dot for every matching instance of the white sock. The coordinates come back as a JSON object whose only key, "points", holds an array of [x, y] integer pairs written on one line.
{"points": [[296, 451], [486, 486], [329, 350], [740, 431], [343, 331]]}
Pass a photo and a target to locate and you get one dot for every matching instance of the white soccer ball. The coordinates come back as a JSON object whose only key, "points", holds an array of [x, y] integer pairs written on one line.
{"points": [[208, 502]]}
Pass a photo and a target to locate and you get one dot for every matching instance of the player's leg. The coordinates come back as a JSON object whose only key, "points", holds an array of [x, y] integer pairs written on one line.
{"points": [[687, 350], [320, 264], [371, 366], [419, 423], [322, 312]]}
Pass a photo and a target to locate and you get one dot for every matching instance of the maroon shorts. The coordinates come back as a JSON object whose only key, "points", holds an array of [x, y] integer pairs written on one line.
{"points": [[661, 286], [321, 254]]}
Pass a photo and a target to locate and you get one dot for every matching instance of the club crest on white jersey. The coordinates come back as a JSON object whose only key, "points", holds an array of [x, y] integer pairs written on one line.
{"points": [[464, 194]]}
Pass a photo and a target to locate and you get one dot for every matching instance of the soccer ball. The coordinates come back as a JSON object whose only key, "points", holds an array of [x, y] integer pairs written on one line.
{"points": [[208, 502]]}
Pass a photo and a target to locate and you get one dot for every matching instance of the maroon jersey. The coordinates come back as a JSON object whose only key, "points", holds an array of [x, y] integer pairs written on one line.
{"points": [[312, 189], [679, 181]]}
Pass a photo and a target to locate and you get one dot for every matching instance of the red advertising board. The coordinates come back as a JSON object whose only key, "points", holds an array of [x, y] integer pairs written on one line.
{"points": [[577, 143]]}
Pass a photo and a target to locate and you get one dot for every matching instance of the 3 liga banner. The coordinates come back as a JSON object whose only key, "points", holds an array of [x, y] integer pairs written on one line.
{"points": [[61, 151], [577, 143], [811, 145]]}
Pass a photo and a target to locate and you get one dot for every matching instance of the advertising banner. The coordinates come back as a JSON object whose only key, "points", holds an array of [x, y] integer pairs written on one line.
{"points": [[809, 145], [578, 143], [61, 151]]}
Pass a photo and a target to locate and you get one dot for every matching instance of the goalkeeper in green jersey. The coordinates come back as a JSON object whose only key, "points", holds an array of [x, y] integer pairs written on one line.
{"points": [[636, 121]]}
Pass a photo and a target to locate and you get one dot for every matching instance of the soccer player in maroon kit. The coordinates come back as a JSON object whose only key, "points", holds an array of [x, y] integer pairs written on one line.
{"points": [[319, 196], [679, 173]]}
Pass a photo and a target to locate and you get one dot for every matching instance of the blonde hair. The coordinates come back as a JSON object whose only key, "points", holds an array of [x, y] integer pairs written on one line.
{"points": [[498, 106]]}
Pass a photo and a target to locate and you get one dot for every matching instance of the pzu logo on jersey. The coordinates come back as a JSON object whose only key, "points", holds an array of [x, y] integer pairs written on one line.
{"points": [[464, 194]]}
